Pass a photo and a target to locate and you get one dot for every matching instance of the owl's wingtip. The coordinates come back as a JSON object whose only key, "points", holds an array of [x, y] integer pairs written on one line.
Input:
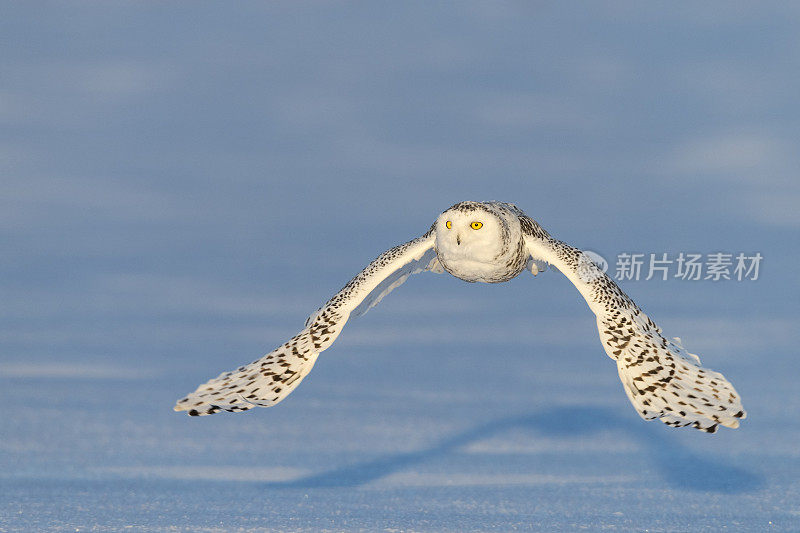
{"points": [[733, 424]]}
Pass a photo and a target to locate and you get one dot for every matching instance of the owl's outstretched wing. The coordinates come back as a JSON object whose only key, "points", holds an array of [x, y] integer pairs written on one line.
{"points": [[270, 379], [662, 380]]}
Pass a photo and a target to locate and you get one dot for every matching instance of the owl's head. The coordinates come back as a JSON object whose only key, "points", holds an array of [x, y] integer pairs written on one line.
{"points": [[476, 230]]}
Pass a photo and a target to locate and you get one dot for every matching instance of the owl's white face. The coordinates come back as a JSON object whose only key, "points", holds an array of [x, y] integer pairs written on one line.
{"points": [[474, 235], [470, 244]]}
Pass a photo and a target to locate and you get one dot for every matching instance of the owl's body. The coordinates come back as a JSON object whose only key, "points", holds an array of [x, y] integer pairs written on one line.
{"points": [[493, 242]]}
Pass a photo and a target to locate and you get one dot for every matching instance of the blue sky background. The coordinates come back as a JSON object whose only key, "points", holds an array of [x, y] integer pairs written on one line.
{"points": [[182, 183]]}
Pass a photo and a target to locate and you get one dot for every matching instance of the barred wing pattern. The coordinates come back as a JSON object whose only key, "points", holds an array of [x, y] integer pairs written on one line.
{"points": [[271, 378], [662, 380]]}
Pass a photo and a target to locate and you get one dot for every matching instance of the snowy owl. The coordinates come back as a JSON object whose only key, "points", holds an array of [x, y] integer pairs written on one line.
{"points": [[493, 242]]}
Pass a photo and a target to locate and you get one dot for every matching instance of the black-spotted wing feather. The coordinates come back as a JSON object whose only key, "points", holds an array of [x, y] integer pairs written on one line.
{"points": [[268, 380], [662, 380]]}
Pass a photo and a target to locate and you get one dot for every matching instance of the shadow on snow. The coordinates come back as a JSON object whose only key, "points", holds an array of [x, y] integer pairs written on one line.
{"points": [[679, 466]]}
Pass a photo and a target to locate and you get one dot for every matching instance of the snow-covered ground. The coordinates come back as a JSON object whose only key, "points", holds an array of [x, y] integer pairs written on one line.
{"points": [[182, 185], [414, 434]]}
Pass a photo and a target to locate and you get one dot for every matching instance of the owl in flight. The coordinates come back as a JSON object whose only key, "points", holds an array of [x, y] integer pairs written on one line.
{"points": [[493, 242]]}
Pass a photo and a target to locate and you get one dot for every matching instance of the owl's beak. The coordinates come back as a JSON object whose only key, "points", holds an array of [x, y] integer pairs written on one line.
{"points": [[458, 240]]}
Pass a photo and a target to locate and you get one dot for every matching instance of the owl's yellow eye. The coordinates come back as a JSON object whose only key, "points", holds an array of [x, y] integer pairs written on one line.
{"points": [[476, 225], [448, 224]]}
